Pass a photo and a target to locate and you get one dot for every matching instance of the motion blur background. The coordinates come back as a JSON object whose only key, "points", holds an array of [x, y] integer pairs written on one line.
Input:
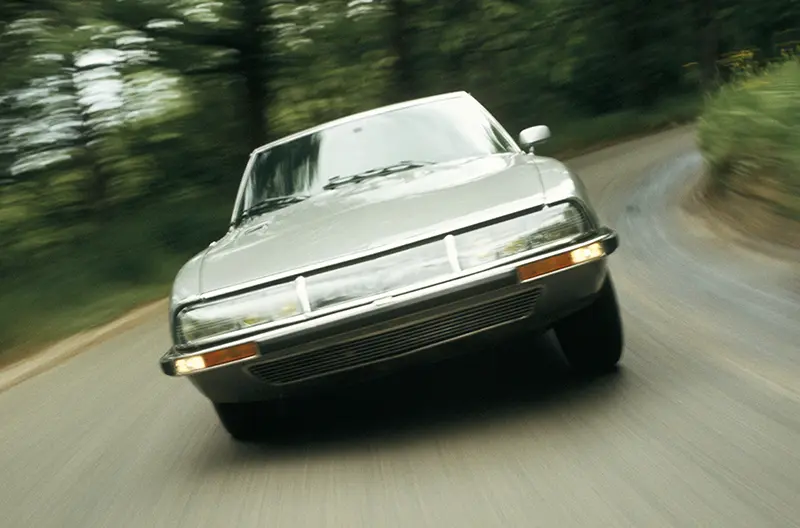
{"points": [[125, 124], [124, 129]]}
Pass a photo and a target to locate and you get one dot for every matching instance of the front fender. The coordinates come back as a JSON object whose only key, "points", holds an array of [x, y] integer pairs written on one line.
{"points": [[560, 183]]}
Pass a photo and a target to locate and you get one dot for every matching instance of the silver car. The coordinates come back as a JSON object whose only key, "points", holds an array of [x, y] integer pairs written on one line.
{"points": [[385, 238]]}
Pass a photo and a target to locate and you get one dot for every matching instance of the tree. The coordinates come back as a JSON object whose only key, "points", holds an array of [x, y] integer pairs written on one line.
{"points": [[239, 43]]}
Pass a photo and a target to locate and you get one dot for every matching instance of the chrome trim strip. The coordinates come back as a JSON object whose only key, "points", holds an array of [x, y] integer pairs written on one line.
{"points": [[367, 306], [302, 293], [452, 252]]}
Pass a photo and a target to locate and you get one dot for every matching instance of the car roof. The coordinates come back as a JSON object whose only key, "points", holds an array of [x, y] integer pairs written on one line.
{"points": [[359, 115]]}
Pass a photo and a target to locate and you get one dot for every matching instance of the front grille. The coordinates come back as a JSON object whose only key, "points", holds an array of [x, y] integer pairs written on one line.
{"points": [[397, 342]]}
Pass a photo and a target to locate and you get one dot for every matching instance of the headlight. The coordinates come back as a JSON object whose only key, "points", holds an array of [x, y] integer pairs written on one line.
{"points": [[237, 313], [561, 223], [377, 276], [412, 267]]}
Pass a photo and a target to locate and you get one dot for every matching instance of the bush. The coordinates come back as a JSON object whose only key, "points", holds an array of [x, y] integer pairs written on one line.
{"points": [[574, 136], [749, 134]]}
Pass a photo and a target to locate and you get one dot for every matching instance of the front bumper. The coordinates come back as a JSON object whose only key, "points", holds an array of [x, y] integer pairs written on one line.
{"points": [[419, 326]]}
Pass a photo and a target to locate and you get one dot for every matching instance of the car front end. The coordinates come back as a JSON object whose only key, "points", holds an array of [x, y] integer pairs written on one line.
{"points": [[394, 236], [416, 300]]}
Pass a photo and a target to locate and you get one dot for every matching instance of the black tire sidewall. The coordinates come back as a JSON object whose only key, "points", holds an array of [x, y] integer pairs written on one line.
{"points": [[592, 338]]}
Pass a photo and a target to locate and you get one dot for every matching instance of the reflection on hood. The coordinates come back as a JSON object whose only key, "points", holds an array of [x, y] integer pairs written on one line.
{"points": [[369, 214]]}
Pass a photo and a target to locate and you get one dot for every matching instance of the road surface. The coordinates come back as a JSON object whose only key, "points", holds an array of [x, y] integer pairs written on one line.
{"points": [[700, 426]]}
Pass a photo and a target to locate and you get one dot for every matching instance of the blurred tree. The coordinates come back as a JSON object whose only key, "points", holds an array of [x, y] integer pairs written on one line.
{"points": [[110, 106], [235, 38], [401, 39], [54, 129]]}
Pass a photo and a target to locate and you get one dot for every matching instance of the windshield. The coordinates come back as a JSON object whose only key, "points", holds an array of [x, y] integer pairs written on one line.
{"points": [[435, 132]]}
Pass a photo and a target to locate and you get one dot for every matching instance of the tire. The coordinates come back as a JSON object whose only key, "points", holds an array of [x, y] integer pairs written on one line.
{"points": [[592, 338], [245, 422]]}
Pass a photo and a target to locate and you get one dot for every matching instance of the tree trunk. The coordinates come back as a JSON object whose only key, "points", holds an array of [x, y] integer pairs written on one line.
{"points": [[708, 43], [458, 12], [403, 76], [254, 56]]}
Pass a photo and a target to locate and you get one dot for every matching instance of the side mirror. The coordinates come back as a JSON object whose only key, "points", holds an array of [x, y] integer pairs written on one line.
{"points": [[533, 135]]}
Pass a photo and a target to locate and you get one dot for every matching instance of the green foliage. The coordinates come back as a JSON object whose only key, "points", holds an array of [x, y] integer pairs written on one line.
{"points": [[125, 124], [130, 260], [749, 134]]}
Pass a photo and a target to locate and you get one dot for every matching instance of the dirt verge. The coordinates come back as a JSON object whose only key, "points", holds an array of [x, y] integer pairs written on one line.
{"points": [[744, 219]]}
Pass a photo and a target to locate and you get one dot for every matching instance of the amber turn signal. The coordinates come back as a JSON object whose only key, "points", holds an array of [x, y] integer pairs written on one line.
{"points": [[222, 356], [561, 261]]}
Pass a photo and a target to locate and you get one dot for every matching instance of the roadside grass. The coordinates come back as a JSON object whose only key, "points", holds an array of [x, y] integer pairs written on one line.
{"points": [[132, 260], [749, 134], [128, 262]]}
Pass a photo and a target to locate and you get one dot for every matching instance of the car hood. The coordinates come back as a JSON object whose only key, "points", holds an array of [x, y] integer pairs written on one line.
{"points": [[366, 215]]}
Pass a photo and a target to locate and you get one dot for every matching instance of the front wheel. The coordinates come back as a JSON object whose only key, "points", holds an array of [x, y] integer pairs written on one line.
{"points": [[245, 422], [592, 338]]}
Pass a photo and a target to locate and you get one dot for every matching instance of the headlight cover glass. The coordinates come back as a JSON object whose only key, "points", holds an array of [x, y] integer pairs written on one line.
{"points": [[377, 276], [560, 223], [205, 321], [403, 269]]}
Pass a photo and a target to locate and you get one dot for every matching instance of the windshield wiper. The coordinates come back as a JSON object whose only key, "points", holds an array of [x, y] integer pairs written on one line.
{"points": [[273, 204], [371, 173]]}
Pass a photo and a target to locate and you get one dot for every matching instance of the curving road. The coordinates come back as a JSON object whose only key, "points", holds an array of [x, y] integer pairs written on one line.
{"points": [[700, 426]]}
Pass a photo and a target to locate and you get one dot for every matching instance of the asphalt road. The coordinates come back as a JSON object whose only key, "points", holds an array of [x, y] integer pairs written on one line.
{"points": [[699, 427]]}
